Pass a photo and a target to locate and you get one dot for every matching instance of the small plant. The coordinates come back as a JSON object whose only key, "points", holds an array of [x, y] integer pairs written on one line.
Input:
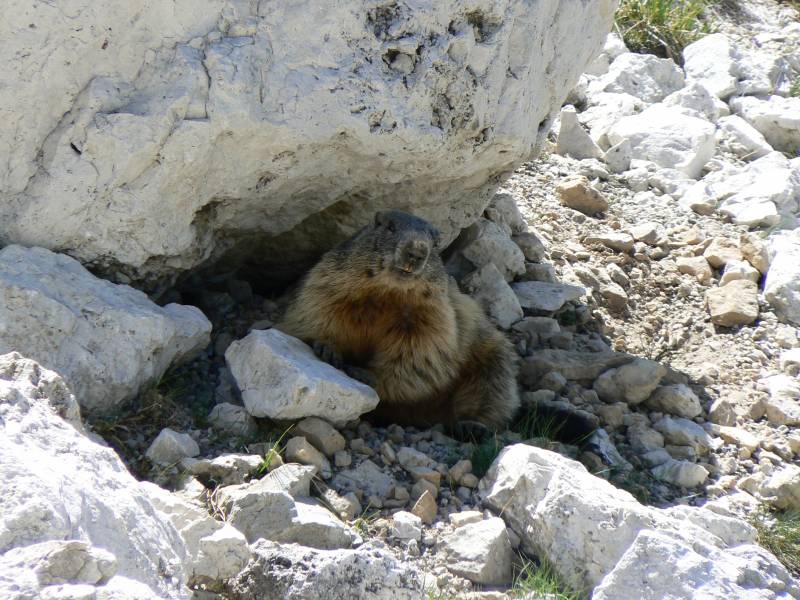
{"points": [[661, 27], [780, 534], [484, 453], [794, 89], [363, 521], [540, 581], [275, 450]]}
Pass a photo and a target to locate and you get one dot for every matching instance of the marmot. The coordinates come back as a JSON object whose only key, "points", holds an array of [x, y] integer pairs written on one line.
{"points": [[381, 306]]}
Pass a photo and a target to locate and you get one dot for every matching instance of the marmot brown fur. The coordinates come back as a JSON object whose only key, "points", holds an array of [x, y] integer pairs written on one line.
{"points": [[382, 306]]}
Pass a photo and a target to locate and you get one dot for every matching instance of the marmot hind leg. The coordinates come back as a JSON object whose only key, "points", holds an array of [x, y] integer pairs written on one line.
{"points": [[486, 390]]}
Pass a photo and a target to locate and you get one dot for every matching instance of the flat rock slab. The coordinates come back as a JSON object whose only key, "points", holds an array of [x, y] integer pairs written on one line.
{"points": [[294, 572], [108, 341], [480, 552], [733, 304], [280, 377], [549, 297]]}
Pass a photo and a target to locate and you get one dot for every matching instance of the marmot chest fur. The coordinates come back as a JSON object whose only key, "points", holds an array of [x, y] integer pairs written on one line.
{"points": [[382, 304]]}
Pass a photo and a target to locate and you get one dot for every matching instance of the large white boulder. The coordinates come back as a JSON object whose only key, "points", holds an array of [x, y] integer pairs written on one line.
{"points": [[668, 137], [712, 61], [644, 76], [106, 340], [145, 139], [777, 118], [57, 485], [782, 284], [280, 378], [595, 534]]}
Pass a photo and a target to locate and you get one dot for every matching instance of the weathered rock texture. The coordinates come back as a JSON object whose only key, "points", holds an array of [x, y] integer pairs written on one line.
{"points": [[74, 489], [145, 139], [106, 340]]}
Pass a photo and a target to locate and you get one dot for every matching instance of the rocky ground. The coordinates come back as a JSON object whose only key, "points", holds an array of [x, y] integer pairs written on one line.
{"points": [[645, 267]]}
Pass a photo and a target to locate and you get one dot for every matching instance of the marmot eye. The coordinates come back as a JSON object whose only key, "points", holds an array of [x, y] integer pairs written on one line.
{"points": [[390, 226]]}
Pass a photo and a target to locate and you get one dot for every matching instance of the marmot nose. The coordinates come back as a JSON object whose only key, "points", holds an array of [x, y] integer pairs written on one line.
{"points": [[414, 255]]}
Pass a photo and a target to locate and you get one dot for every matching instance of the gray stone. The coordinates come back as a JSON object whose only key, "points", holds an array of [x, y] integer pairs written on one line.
{"points": [[494, 294], [683, 432], [233, 419], [677, 399], [641, 75], [299, 450], [632, 383], [321, 434], [280, 378], [367, 477], [170, 447], [680, 472], [549, 297], [480, 552], [572, 139], [406, 526], [734, 304], [107, 341], [783, 405], [493, 245], [226, 469], [576, 192]]}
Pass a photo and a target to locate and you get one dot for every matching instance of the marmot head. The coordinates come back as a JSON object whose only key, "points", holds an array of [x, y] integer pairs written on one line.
{"points": [[406, 249]]}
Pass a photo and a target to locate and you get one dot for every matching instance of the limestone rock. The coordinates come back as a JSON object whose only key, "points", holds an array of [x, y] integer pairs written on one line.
{"points": [[618, 157], [683, 432], [712, 61], [503, 210], [754, 251], [425, 508], [294, 572], [632, 383], [782, 488], [734, 304], [572, 138], [406, 526], [170, 447], [782, 284], [667, 137], [108, 341], [697, 266], [493, 245], [56, 484], [576, 193], [583, 367], [681, 473], [494, 294], [280, 378], [644, 76], [532, 246], [616, 240], [299, 450], [695, 101], [742, 139], [677, 399], [777, 118], [232, 419], [783, 405], [604, 110], [548, 297], [587, 529], [738, 269], [152, 157], [480, 552], [721, 251], [226, 469], [321, 434], [367, 477]]}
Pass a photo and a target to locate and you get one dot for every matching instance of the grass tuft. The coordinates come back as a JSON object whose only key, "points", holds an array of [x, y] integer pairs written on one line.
{"points": [[780, 534], [540, 581], [661, 27]]}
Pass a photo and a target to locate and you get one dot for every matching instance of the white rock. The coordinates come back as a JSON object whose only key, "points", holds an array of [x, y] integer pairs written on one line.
{"points": [[677, 399], [480, 552], [757, 194], [587, 529], [367, 477], [233, 419], [604, 110], [667, 137], [170, 447], [644, 76], [695, 100], [618, 157], [141, 155], [782, 284], [465, 517], [280, 378], [321, 434], [226, 469], [681, 473], [488, 286], [736, 135], [406, 526], [503, 210], [572, 138], [669, 567], [782, 488], [300, 450], [712, 60], [632, 383], [738, 269], [683, 432], [107, 341], [294, 572], [777, 118], [493, 245], [783, 405], [217, 551], [540, 295], [790, 361], [56, 484]]}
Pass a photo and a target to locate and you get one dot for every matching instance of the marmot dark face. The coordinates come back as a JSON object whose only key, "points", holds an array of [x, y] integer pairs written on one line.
{"points": [[408, 247]]}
